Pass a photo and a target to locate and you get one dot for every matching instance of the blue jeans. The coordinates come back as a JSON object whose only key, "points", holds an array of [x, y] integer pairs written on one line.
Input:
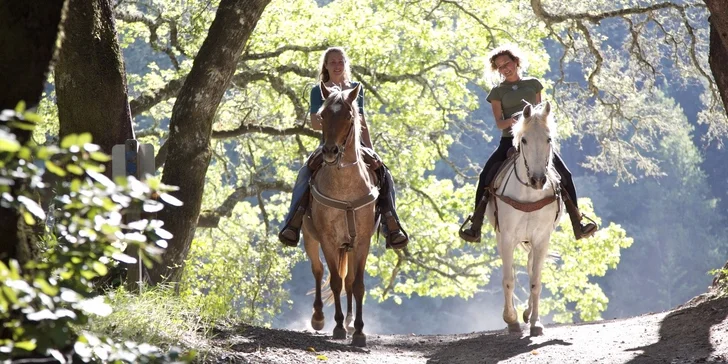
{"points": [[299, 190]]}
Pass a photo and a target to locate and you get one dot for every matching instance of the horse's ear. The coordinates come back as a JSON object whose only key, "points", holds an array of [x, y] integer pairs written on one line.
{"points": [[527, 111], [353, 94], [547, 108], [325, 92]]}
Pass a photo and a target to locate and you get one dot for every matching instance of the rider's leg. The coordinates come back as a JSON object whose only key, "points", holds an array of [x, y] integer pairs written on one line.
{"points": [[570, 201], [290, 232], [394, 234], [490, 169]]}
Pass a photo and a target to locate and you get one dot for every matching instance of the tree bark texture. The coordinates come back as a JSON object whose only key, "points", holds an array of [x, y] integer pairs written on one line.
{"points": [[90, 76], [718, 57], [28, 33], [190, 128]]}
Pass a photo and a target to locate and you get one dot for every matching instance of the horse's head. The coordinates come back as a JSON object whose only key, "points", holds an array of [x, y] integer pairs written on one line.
{"points": [[532, 136], [340, 121]]}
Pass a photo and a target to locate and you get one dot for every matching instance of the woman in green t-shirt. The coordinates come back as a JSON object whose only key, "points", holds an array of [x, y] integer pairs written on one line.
{"points": [[508, 99], [335, 73]]}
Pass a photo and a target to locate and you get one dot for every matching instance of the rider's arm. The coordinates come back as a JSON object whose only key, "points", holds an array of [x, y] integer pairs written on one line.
{"points": [[498, 115], [366, 139], [316, 101]]}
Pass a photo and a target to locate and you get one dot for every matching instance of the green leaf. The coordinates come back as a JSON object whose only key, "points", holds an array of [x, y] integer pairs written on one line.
{"points": [[69, 141], [84, 138], [100, 268], [55, 169], [9, 145], [26, 345], [28, 218], [46, 287], [100, 157], [20, 107], [75, 169], [32, 117]]}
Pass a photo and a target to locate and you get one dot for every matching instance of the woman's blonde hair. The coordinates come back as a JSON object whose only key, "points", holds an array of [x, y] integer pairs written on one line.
{"points": [[324, 73]]}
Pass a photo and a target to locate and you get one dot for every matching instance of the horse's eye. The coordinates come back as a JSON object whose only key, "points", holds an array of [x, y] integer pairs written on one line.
{"points": [[549, 141], [523, 141]]}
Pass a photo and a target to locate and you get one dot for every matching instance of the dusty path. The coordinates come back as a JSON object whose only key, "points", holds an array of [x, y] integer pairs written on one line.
{"points": [[695, 333]]}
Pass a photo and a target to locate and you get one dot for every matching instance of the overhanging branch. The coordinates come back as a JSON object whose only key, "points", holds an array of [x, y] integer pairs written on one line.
{"points": [[211, 219]]}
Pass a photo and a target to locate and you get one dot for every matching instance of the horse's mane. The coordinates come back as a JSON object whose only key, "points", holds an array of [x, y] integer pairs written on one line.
{"points": [[336, 97]]}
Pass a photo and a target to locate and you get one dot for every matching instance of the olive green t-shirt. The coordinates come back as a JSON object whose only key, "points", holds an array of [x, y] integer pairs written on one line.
{"points": [[512, 96]]}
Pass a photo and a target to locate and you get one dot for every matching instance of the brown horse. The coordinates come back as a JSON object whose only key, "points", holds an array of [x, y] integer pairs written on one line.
{"points": [[342, 218]]}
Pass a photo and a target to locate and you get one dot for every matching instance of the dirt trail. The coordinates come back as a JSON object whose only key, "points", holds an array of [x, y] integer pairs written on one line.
{"points": [[697, 332]]}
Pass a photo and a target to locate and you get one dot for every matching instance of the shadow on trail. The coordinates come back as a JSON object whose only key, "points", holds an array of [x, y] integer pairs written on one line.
{"points": [[686, 331], [247, 339], [487, 348]]}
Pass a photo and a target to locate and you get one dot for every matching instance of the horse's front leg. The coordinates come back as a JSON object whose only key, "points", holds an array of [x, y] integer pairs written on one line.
{"points": [[358, 338], [527, 312], [348, 287], [505, 249], [538, 254], [317, 268], [336, 286]]}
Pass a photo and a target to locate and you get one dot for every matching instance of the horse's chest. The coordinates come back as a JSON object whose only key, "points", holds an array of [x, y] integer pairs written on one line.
{"points": [[525, 225]]}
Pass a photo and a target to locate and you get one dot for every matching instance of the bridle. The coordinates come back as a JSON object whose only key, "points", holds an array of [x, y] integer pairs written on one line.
{"points": [[525, 162], [342, 150]]}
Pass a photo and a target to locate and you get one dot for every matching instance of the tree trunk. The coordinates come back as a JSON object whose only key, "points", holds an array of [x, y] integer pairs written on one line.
{"points": [[28, 33], [190, 127], [718, 57], [90, 77]]}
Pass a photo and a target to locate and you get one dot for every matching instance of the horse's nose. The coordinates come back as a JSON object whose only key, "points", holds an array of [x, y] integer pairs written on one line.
{"points": [[537, 182], [334, 149]]}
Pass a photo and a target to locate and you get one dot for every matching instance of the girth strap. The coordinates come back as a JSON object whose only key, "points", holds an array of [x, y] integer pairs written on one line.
{"points": [[349, 206]]}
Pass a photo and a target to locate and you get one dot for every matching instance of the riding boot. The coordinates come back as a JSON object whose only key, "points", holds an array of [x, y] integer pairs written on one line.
{"points": [[580, 231], [395, 236], [472, 234], [292, 229], [299, 204]]}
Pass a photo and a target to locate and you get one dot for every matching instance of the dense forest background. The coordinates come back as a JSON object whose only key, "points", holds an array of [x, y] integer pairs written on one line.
{"points": [[220, 88], [426, 104]]}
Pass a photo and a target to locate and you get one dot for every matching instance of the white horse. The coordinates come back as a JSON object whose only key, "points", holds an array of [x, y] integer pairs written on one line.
{"points": [[526, 207]]}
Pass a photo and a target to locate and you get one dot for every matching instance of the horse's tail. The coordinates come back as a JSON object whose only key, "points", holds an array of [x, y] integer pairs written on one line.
{"points": [[327, 295]]}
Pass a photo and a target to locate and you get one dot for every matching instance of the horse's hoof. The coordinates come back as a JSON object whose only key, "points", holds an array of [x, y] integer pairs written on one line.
{"points": [[359, 340], [339, 333], [317, 325], [526, 315], [514, 328], [536, 330]]}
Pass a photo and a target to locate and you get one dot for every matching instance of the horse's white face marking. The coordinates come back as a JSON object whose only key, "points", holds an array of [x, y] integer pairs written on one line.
{"points": [[335, 108]]}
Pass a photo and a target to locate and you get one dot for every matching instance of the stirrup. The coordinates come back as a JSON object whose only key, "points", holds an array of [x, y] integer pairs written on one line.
{"points": [[287, 240], [586, 234], [465, 236]]}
